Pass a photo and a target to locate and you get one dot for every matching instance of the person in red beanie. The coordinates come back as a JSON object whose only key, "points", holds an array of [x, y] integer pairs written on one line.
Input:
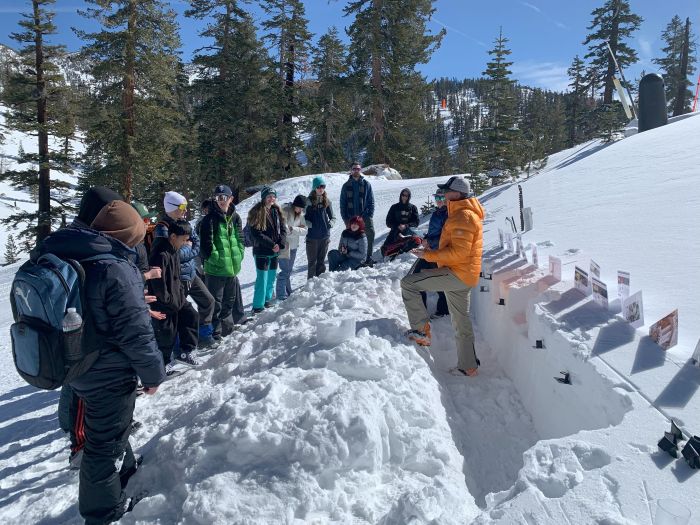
{"points": [[352, 249]]}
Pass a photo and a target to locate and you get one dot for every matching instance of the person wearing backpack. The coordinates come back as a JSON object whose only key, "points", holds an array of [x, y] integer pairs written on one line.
{"points": [[175, 206], [118, 332], [181, 320], [269, 233], [293, 214], [222, 249], [319, 223]]}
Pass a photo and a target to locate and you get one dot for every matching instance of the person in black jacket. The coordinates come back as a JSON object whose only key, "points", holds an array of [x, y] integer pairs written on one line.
{"points": [[401, 218], [181, 318], [269, 237], [119, 326]]}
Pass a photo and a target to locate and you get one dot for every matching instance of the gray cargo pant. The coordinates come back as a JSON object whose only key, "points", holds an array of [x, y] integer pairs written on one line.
{"points": [[457, 294]]}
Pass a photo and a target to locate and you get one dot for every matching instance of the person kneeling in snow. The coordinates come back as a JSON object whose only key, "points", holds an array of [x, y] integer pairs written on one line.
{"points": [[458, 257], [181, 319], [352, 250]]}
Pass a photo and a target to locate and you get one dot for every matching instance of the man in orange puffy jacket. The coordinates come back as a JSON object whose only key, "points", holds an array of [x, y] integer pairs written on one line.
{"points": [[459, 262]]}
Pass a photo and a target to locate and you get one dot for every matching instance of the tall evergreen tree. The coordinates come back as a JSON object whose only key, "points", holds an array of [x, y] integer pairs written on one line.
{"points": [[233, 95], [288, 32], [35, 94], [439, 151], [11, 250], [331, 110], [678, 63], [136, 125], [389, 38], [612, 24], [577, 113], [500, 127]]}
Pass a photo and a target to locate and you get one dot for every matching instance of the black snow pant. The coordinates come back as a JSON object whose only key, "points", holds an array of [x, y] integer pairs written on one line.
{"points": [[107, 452], [441, 308], [316, 250], [71, 411], [183, 324], [203, 299], [228, 303], [369, 231]]}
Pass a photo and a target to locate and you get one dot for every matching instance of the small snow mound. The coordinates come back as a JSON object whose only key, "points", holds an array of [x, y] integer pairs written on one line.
{"points": [[382, 170]]}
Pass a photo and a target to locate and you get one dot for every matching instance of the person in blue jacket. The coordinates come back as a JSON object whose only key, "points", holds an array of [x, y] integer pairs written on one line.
{"points": [[120, 327], [356, 198], [432, 242], [319, 222], [175, 206]]}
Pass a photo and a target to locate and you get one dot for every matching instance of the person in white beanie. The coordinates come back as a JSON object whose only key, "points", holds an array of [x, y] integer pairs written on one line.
{"points": [[175, 206]]}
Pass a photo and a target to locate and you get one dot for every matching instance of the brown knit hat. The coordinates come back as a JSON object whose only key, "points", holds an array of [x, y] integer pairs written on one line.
{"points": [[121, 221]]}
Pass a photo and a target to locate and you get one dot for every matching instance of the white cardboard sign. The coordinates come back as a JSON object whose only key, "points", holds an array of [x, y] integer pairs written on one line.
{"points": [[623, 285], [555, 267], [581, 282], [696, 354], [600, 292], [633, 310], [535, 259], [665, 331]]}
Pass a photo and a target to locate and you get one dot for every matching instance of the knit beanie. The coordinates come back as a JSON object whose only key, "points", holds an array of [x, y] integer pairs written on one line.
{"points": [[267, 190], [172, 201], [94, 200], [121, 221], [299, 201], [318, 181]]}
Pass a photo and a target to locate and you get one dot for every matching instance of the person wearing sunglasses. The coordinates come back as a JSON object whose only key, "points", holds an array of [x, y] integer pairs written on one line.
{"points": [[222, 251], [175, 206], [458, 257], [401, 218], [432, 242], [356, 198], [319, 222]]}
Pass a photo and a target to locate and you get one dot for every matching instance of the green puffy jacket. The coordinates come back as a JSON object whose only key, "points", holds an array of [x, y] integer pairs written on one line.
{"points": [[222, 243]]}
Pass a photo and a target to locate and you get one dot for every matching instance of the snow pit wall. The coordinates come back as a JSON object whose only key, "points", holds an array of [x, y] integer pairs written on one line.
{"points": [[531, 299]]}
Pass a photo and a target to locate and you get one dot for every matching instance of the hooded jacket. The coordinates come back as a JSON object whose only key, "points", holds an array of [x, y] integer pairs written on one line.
{"points": [[461, 242], [355, 244], [437, 221], [221, 242], [319, 217], [114, 296], [188, 254], [401, 213], [296, 227], [168, 289]]}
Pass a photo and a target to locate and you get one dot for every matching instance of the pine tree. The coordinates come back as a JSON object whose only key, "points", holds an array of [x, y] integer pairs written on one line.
{"points": [[34, 92], [500, 130], [612, 24], [11, 250], [331, 110], [233, 94], [288, 32], [388, 39], [678, 63], [440, 156], [135, 125], [577, 113]]}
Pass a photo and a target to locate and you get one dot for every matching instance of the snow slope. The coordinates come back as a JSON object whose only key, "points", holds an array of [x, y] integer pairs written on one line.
{"points": [[277, 428]]}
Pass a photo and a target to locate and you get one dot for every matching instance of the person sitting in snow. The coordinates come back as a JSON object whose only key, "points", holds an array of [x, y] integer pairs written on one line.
{"points": [[401, 218], [293, 214], [269, 234], [356, 198], [352, 250], [458, 257], [181, 320]]}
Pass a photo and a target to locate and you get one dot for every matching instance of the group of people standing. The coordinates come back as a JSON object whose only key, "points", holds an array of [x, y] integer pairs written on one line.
{"points": [[138, 296]]}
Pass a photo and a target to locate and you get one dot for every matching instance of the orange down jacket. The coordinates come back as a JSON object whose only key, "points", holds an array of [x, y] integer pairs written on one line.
{"points": [[461, 241]]}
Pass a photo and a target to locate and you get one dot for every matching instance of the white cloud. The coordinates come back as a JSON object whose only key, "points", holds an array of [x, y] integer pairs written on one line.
{"points": [[547, 75], [533, 7], [645, 46]]}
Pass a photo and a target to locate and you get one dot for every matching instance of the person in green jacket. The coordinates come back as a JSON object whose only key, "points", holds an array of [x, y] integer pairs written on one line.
{"points": [[222, 251]]}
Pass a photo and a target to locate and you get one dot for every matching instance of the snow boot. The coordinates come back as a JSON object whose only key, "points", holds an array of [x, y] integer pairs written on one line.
{"points": [[420, 337], [187, 358], [125, 476], [206, 336], [469, 372]]}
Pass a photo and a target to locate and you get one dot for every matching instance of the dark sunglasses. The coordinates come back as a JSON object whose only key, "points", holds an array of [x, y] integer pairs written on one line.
{"points": [[357, 169], [439, 197], [221, 197], [322, 186], [405, 195]]}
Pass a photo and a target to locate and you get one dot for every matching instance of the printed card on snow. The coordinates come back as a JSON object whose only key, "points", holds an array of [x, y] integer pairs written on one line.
{"points": [[535, 260], [555, 267], [509, 242], [595, 269], [600, 292], [633, 310], [665, 331], [581, 280], [623, 285], [696, 354]]}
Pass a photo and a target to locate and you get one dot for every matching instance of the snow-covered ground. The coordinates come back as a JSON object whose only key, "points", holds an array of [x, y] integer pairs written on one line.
{"points": [[276, 427]]}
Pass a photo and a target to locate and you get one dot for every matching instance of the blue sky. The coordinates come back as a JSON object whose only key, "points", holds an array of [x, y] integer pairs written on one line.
{"points": [[544, 34]]}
